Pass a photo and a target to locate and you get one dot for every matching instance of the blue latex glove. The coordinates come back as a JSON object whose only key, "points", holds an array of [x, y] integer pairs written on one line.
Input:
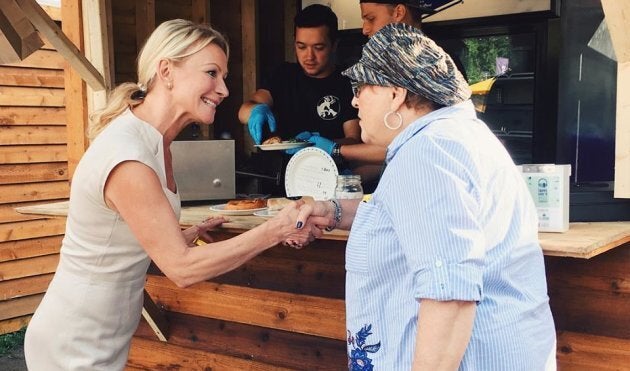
{"points": [[261, 114], [320, 142], [305, 135]]}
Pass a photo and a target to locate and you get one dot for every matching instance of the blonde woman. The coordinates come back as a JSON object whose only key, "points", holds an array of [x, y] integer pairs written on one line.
{"points": [[124, 208]]}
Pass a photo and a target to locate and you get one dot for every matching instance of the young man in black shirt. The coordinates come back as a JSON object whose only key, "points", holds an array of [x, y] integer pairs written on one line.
{"points": [[310, 100]]}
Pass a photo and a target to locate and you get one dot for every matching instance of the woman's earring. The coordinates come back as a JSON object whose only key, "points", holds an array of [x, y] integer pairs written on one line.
{"points": [[386, 119], [169, 85]]}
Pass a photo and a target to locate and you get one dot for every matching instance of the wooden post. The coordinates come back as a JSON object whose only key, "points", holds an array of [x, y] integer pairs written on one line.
{"points": [[250, 57], [201, 14], [97, 28], [617, 18], [75, 87]]}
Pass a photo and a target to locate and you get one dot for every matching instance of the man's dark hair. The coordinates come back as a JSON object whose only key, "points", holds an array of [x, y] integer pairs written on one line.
{"points": [[317, 15]]}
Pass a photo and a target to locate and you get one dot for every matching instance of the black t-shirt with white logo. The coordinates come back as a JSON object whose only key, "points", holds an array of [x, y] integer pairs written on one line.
{"points": [[302, 103]]}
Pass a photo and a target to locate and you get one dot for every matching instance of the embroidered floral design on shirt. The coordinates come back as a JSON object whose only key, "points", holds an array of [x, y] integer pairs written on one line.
{"points": [[358, 359]]}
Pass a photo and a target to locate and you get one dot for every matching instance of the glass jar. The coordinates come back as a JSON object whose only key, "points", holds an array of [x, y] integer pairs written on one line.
{"points": [[348, 187]]}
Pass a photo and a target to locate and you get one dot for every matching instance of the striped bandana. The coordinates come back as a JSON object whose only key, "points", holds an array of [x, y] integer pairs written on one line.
{"points": [[401, 55]]}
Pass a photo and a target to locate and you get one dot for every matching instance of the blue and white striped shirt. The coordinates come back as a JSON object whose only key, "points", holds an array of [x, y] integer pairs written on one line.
{"points": [[451, 219]]}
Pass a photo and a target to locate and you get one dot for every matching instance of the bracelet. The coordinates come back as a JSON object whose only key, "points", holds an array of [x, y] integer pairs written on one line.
{"points": [[337, 215]]}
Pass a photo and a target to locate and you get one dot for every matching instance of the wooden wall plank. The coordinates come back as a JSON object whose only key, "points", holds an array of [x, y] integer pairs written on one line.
{"points": [[14, 324], [577, 352], [170, 9], [19, 307], [33, 153], [16, 174], [31, 77], [155, 355], [591, 295], [45, 59], [31, 229], [290, 312], [35, 266], [33, 135], [34, 191], [26, 286], [144, 22], [271, 346], [21, 96], [32, 116], [318, 270], [13, 250]]}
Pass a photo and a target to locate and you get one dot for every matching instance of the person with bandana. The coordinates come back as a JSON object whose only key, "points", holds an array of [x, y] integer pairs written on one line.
{"points": [[444, 270]]}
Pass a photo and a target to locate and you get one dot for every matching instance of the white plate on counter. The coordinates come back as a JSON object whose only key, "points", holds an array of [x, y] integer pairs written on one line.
{"points": [[267, 214], [283, 146], [311, 172], [221, 210]]}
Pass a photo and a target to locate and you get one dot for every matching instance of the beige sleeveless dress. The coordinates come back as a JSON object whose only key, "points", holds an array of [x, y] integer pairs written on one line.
{"points": [[93, 304]]}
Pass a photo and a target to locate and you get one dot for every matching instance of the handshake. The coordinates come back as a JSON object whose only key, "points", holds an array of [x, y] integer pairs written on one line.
{"points": [[305, 217], [262, 116]]}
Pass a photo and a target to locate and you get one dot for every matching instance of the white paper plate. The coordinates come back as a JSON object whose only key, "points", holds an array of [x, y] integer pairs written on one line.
{"points": [[221, 210], [311, 172], [267, 214], [282, 146]]}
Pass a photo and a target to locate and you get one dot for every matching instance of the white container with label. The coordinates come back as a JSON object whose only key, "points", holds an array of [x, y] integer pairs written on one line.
{"points": [[549, 186]]}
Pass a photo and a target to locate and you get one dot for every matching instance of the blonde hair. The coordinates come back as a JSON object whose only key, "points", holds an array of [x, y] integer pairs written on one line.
{"points": [[172, 40]]}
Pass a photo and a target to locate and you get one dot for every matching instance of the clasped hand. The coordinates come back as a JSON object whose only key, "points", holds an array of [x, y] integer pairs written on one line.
{"points": [[311, 218], [320, 142]]}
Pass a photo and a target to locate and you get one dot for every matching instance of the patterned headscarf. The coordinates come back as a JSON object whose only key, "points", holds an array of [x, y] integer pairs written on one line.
{"points": [[401, 55]]}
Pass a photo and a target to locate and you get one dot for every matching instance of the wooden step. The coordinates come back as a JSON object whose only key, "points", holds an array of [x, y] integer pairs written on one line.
{"points": [[155, 355]]}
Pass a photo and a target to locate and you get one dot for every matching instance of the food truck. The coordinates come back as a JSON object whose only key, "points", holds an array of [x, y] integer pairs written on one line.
{"points": [[549, 77]]}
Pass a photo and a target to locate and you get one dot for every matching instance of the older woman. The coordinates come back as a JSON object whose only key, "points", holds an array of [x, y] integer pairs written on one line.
{"points": [[444, 269], [124, 208]]}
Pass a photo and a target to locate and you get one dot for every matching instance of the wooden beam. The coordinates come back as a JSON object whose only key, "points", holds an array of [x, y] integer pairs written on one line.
{"points": [[155, 317], [18, 38], [49, 28], [617, 19]]}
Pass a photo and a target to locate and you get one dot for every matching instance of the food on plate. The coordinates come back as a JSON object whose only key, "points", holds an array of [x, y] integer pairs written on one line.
{"points": [[277, 204], [246, 204], [272, 140]]}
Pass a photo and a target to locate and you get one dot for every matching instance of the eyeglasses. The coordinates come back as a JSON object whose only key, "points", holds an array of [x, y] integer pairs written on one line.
{"points": [[356, 88]]}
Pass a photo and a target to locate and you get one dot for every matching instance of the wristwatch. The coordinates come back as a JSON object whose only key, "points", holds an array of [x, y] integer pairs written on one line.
{"points": [[336, 153]]}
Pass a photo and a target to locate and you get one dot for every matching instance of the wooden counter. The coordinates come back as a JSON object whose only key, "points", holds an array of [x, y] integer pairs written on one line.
{"points": [[582, 240], [285, 308]]}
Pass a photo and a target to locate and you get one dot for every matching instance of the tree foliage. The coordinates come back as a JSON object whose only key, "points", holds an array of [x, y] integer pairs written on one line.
{"points": [[481, 54]]}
